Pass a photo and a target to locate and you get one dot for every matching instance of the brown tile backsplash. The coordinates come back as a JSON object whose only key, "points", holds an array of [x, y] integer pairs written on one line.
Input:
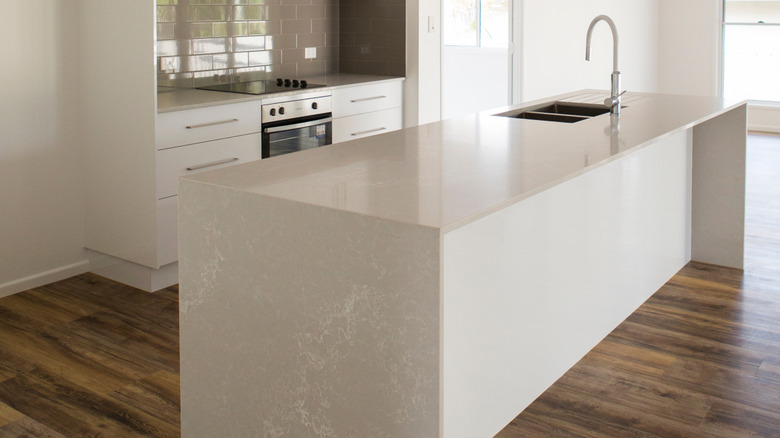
{"points": [[372, 37], [203, 42]]}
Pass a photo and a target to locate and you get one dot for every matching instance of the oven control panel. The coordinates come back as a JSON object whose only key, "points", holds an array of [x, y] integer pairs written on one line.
{"points": [[296, 109]]}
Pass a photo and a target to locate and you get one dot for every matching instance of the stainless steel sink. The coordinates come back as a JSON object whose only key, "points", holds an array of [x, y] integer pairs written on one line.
{"points": [[564, 112]]}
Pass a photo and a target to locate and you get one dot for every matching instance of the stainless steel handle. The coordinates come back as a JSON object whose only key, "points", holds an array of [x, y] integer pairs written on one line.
{"points": [[297, 125], [203, 125], [368, 98], [355, 134], [212, 164]]}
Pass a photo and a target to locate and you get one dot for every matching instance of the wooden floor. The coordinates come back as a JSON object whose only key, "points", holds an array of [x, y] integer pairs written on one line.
{"points": [[90, 357]]}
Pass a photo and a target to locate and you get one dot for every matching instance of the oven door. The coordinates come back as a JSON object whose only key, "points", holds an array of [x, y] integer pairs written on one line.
{"points": [[284, 137]]}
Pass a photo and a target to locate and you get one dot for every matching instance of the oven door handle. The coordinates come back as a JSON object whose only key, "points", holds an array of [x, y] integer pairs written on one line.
{"points": [[297, 125]]}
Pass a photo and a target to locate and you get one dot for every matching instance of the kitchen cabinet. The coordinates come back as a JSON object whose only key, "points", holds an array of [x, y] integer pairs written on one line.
{"points": [[219, 136], [133, 156], [177, 128], [365, 110], [118, 104]]}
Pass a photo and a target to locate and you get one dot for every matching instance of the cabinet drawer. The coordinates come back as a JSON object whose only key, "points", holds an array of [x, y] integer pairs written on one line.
{"points": [[203, 124], [167, 231], [188, 160], [366, 98], [365, 125]]}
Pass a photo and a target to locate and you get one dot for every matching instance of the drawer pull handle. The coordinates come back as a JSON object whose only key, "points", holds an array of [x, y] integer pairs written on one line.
{"points": [[204, 125], [368, 98], [212, 164], [355, 134]]}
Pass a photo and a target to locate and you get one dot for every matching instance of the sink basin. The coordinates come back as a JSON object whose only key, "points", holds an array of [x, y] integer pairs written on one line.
{"points": [[564, 112]]}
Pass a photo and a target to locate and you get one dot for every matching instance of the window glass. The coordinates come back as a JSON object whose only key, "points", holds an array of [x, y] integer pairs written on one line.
{"points": [[751, 62], [751, 49], [460, 22], [740, 11], [495, 23]]}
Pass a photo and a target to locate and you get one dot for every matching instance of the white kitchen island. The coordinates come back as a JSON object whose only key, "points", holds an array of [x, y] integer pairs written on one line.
{"points": [[435, 280]]}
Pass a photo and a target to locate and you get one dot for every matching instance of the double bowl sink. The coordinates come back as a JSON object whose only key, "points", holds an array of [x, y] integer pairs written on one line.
{"points": [[564, 112]]}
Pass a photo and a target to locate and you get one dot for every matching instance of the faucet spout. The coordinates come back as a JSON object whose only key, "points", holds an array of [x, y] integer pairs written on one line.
{"points": [[615, 39], [615, 95]]}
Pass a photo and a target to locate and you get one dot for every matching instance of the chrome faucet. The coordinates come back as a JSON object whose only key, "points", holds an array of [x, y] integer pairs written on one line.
{"points": [[615, 94]]}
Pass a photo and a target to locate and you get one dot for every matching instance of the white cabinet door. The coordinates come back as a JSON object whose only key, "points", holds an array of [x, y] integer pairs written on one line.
{"points": [[349, 101], [187, 160], [365, 125], [178, 128]]}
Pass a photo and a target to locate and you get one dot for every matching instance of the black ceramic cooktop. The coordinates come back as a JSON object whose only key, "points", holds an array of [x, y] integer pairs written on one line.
{"points": [[262, 87]]}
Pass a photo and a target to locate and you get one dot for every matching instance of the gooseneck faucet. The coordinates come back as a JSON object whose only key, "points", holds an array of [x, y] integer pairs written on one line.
{"points": [[615, 94]]}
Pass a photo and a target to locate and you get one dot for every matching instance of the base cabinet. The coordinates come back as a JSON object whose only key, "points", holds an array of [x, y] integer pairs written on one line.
{"points": [[366, 110], [365, 125]]}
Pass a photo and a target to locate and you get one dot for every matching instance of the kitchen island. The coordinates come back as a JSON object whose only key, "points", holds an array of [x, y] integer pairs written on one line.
{"points": [[434, 281]]}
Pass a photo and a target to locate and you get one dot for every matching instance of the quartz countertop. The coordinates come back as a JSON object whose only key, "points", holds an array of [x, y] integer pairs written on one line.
{"points": [[177, 99], [450, 173]]}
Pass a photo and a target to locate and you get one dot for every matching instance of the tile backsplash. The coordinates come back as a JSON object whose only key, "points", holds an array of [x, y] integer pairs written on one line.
{"points": [[204, 42], [372, 36]]}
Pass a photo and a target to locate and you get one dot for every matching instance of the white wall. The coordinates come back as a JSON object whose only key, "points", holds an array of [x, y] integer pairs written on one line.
{"points": [[41, 202], [422, 88], [553, 46], [689, 47], [690, 56]]}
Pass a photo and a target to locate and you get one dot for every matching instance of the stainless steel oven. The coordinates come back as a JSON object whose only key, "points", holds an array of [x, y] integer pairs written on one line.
{"points": [[296, 125]]}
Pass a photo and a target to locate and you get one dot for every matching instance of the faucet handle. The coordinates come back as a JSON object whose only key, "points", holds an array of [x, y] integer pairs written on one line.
{"points": [[612, 101]]}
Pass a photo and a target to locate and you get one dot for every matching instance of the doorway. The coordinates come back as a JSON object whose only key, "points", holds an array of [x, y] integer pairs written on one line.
{"points": [[476, 56]]}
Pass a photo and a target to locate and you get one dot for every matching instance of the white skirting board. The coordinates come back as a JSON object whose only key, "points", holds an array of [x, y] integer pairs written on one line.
{"points": [[43, 278], [764, 118]]}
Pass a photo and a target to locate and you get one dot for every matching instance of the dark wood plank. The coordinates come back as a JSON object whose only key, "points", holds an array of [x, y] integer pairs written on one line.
{"points": [[137, 342], [770, 368], [26, 427], [737, 420], [8, 415], [157, 395], [64, 355], [611, 355], [75, 411]]}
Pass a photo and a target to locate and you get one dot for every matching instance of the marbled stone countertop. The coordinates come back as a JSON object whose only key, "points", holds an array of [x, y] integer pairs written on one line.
{"points": [[177, 99], [450, 173]]}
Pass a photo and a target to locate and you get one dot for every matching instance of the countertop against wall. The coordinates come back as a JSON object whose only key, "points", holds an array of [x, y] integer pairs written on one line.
{"points": [[177, 99]]}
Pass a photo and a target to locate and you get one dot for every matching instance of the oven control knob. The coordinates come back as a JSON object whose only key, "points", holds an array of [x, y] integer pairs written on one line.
{"points": [[287, 82], [279, 82], [314, 105], [281, 110], [304, 84], [295, 83], [273, 111]]}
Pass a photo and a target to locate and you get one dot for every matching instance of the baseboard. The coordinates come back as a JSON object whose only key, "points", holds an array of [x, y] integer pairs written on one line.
{"points": [[771, 129], [763, 118], [43, 278]]}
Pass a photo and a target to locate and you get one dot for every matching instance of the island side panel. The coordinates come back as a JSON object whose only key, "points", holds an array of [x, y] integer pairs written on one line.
{"points": [[719, 147], [530, 289], [303, 321]]}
